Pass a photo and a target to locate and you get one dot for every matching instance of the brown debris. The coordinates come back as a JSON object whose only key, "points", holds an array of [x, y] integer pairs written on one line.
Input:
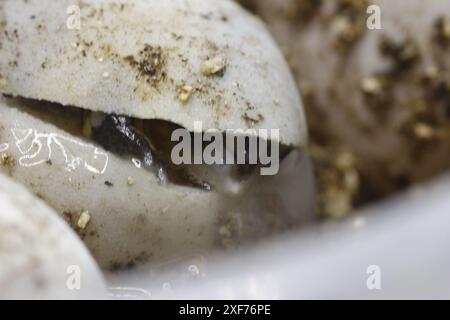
{"points": [[349, 23], [371, 85], [78, 221], [83, 220], [404, 54], [150, 64], [7, 160], [302, 10], [338, 180], [214, 66], [442, 31], [185, 94]]}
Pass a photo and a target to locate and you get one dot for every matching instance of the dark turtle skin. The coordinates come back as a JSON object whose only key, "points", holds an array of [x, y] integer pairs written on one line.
{"points": [[117, 134]]}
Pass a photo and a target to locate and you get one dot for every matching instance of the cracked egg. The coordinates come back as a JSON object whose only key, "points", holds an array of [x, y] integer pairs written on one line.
{"points": [[88, 113]]}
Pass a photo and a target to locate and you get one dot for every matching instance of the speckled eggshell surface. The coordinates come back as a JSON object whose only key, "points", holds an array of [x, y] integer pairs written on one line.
{"points": [[380, 93], [135, 57], [40, 257]]}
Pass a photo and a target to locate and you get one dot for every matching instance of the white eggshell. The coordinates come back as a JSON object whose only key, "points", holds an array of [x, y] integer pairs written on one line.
{"points": [[99, 64], [40, 257], [146, 221]]}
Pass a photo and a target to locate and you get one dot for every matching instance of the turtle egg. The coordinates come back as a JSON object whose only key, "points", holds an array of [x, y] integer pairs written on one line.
{"points": [[88, 143], [40, 257], [374, 76]]}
